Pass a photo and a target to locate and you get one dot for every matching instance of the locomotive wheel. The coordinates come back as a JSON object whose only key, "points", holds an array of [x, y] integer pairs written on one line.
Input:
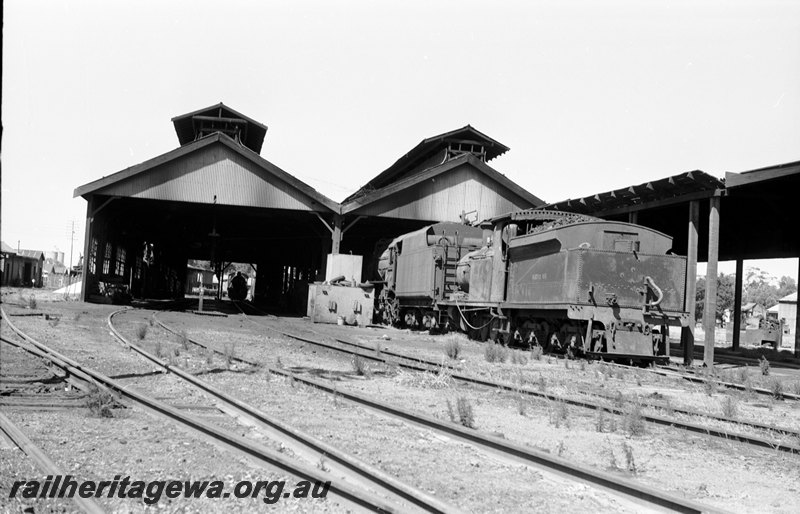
{"points": [[412, 318], [429, 320]]}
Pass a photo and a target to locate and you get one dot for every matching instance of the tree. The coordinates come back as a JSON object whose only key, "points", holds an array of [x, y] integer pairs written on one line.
{"points": [[725, 295], [759, 288], [786, 286]]}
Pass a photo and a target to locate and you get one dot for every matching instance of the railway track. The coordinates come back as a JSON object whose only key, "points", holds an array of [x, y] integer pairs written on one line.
{"points": [[424, 365], [351, 494], [542, 460]]}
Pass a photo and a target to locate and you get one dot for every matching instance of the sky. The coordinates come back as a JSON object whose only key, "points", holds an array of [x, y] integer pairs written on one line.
{"points": [[590, 96]]}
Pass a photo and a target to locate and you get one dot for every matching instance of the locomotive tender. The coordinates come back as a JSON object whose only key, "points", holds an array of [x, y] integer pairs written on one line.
{"points": [[562, 281]]}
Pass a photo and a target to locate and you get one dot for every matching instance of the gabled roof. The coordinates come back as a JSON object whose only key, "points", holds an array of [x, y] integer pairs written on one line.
{"points": [[31, 254], [188, 125], [425, 149], [407, 182], [6, 249], [789, 298], [217, 137], [691, 185]]}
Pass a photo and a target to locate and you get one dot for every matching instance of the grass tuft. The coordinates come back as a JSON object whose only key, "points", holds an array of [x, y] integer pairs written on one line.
{"points": [[360, 366], [730, 407], [536, 353], [634, 422], [141, 332], [495, 353], [462, 413], [100, 403], [452, 349]]}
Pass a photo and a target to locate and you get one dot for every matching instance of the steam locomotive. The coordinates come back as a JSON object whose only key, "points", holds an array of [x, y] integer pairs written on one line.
{"points": [[565, 282]]}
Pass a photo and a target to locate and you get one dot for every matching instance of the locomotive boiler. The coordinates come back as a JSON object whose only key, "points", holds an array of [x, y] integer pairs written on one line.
{"points": [[561, 281]]}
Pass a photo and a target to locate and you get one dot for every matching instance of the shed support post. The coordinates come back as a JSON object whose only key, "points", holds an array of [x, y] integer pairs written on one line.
{"points": [[687, 333], [336, 235], [797, 322], [633, 217], [737, 303], [87, 242], [710, 308]]}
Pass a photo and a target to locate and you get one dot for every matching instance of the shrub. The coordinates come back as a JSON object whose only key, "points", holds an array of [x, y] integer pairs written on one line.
{"points": [[559, 414], [32, 302], [495, 353], [452, 349], [100, 403]]}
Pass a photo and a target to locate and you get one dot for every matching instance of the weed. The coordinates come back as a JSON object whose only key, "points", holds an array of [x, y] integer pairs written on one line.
{"points": [[729, 407], [710, 386], [100, 402], [559, 414], [743, 375], [158, 349], [495, 353], [76, 317], [668, 408], [32, 302], [229, 354], [184, 340], [582, 366], [141, 332], [630, 463], [322, 466], [763, 364], [377, 348], [452, 349], [619, 400], [612, 459], [634, 422], [54, 322], [176, 352], [465, 414], [209, 357], [561, 448], [542, 384], [776, 387], [451, 412], [518, 358], [522, 406], [278, 363], [536, 352], [795, 388], [600, 421], [151, 321], [360, 366]]}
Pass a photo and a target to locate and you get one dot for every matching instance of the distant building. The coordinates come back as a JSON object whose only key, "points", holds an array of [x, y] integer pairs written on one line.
{"points": [[752, 313], [787, 310], [21, 268], [197, 275], [54, 274]]}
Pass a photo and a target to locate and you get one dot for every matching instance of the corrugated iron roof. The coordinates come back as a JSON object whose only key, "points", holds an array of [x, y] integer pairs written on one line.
{"points": [[697, 183], [6, 249], [424, 150]]}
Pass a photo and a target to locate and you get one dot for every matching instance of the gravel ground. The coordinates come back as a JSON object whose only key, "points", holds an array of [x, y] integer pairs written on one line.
{"points": [[721, 474]]}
